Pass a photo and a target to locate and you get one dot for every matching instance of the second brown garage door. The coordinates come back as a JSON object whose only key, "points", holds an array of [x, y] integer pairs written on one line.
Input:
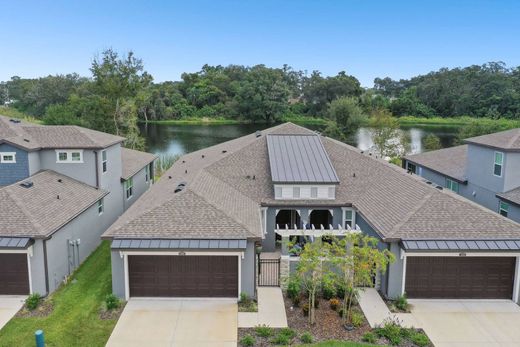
{"points": [[460, 277], [183, 276], [14, 278]]}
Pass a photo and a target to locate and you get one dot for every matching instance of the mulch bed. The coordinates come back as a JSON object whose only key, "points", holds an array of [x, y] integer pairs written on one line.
{"points": [[44, 309], [105, 314]]}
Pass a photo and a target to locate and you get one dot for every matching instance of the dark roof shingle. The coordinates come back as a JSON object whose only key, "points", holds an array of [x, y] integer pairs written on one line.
{"points": [[506, 140], [133, 161], [449, 162]]}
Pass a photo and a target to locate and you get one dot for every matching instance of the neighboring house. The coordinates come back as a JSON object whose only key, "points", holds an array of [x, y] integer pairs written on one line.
{"points": [[485, 170], [63, 186], [197, 232]]}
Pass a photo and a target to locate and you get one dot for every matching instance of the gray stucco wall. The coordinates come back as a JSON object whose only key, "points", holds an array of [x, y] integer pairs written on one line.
{"points": [[14, 172], [111, 181], [84, 172], [480, 167], [247, 267], [395, 272], [512, 170], [38, 268], [87, 227], [140, 186], [34, 162], [269, 244]]}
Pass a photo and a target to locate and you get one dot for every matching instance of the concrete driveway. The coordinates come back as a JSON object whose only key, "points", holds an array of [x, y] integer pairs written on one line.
{"points": [[175, 322], [9, 305], [464, 323]]}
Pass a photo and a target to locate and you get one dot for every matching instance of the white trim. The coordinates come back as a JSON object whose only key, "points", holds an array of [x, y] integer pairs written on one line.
{"points": [[239, 255], [344, 216], [104, 161], [18, 251], [403, 282], [13, 154], [69, 156], [463, 254], [29, 272], [516, 284]]}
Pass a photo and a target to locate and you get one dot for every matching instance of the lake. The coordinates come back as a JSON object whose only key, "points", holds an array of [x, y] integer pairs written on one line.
{"points": [[180, 139]]}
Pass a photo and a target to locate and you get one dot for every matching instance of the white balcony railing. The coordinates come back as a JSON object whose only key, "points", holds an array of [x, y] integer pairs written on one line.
{"points": [[313, 231]]}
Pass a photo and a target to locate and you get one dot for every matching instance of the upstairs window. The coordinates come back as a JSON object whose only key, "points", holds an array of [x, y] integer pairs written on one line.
{"points": [[101, 206], [499, 162], [69, 156], [7, 157], [129, 188], [503, 208], [411, 167], [452, 185], [104, 161], [349, 219]]}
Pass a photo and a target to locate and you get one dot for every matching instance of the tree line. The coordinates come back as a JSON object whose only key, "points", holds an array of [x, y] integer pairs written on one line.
{"points": [[120, 93]]}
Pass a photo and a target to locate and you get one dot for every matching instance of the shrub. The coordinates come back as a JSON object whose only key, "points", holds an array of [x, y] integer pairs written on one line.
{"points": [[340, 291], [328, 291], [420, 339], [391, 331], [369, 337], [247, 341], [305, 309], [33, 301], [293, 288], [244, 297], [334, 303], [112, 302], [357, 319], [401, 303], [306, 337], [263, 330], [341, 312], [296, 301], [281, 339], [288, 332]]}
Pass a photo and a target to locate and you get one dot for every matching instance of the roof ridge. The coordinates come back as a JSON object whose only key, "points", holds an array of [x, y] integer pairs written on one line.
{"points": [[515, 138], [411, 213]]}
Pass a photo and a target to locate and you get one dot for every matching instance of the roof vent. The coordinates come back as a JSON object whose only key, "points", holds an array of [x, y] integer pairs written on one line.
{"points": [[428, 182], [439, 187], [258, 133], [182, 184], [26, 184], [177, 190], [14, 120], [26, 140], [60, 180], [224, 151]]}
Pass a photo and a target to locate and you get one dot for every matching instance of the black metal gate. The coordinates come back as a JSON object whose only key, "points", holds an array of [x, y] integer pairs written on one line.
{"points": [[268, 272]]}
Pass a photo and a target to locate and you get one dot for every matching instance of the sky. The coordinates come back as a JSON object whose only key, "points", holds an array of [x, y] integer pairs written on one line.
{"points": [[367, 39]]}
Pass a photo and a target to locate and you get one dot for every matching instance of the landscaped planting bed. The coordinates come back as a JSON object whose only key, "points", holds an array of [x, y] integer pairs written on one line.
{"points": [[329, 326]]}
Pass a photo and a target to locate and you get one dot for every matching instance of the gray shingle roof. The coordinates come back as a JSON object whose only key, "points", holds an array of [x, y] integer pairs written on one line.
{"points": [[31, 136], [506, 140], [133, 161], [299, 159], [397, 205], [512, 196], [36, 211], [449, 162]]}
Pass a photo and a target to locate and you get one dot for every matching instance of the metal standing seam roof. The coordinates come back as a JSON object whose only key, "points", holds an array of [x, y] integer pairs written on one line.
{"points": [[15, 242], [178, 244], [299, 159], [461, 245]]}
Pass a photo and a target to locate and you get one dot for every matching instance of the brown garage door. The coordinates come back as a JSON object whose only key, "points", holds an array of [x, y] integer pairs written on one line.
{"points": [[460, 277], [14, 279], [183, 276]]}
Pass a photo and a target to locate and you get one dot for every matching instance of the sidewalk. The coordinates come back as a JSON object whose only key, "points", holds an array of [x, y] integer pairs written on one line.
{"points": [[271, 310]]}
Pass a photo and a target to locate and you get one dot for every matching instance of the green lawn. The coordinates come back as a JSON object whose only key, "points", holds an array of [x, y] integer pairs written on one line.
{"points": [[75, 319]]}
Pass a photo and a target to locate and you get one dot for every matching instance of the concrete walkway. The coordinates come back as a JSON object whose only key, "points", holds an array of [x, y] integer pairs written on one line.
{"points": [[376, 311], [176, 323], [9, 305], [271, 310]]}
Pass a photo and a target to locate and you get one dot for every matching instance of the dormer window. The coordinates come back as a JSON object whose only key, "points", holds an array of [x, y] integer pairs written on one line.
{"points": [[7, 157], [499, 162], [69, 156]]}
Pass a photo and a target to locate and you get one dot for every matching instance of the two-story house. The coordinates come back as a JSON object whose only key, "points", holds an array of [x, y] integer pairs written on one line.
{"points": [[217, 224], [61, 187], [485, 170]]}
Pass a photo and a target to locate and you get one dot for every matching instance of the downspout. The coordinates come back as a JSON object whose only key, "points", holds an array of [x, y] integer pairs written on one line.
{"points": [[97, 168], [46, 267]]}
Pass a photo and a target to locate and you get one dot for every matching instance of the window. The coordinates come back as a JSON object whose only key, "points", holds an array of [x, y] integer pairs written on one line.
{"points": [[452, 185], [411, 167], [129, 188], [349, 219], [101, 206], [503, 208], [147, 173], [104, 161], [69, 156], [8, 157], [499, 162]]}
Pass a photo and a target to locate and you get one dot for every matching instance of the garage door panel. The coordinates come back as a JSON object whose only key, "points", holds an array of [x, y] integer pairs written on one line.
{"points": [[460, 277], [14, 277], [183, 276]]}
